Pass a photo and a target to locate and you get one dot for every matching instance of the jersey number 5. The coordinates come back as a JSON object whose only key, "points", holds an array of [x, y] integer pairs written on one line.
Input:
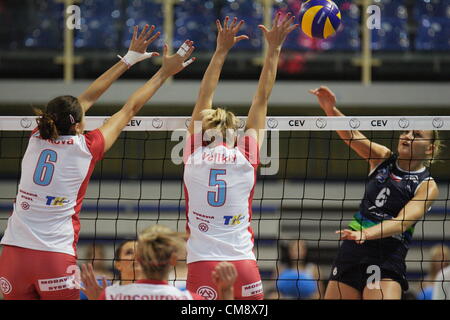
{"points": [[217, 198], [45, 168]]}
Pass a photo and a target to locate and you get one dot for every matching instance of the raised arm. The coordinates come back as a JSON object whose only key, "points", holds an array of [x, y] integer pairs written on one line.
{"points": [[137, 52], [373, 152], [275, 39], [171, 66], [414, 210], [226, 39]]}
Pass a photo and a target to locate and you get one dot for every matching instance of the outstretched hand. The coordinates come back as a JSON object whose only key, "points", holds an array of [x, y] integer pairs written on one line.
{"points": [[172, 64], [358, 236], [139, 44], [276, 36], [326, 97], [227, 38], [91, 288]]}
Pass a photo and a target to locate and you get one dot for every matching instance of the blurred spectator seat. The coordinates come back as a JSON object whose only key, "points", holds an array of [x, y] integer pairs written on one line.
{"points": [[99, 22], [140, 12], [393, 35], [8, 30], [45, 25], [431, 8], [195, 20], [346, 39], [252, 13], [392, 9], [433, 34]]}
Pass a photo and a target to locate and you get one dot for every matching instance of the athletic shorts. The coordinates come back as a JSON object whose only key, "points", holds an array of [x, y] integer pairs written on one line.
{"points": [[27, 274], [248, 285], [356, 265]]}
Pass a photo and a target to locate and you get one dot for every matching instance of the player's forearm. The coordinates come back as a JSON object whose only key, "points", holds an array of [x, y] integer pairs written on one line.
{"points": [[226, 293], [355, 139], [146, 92], [268, 77], [388, 228], [101, 85], [211, 78], [345, 135]]}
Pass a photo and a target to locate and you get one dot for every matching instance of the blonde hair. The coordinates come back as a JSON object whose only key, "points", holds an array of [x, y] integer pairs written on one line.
{"points": [[156, 246], [438, 147], [219, 120]]}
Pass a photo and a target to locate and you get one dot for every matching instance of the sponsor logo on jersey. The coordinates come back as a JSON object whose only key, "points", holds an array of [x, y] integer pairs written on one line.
{"points": [[233, 220], [25, 205], [252, 289], [120, 296], [382, 175], [5, 286], [207, 292], [203, 217], [57, 284], [203, 227], [56, 201], [335, 271]]}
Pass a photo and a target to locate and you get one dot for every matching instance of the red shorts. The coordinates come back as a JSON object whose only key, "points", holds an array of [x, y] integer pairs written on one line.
{"points": [[27, 274], [248, 285]]}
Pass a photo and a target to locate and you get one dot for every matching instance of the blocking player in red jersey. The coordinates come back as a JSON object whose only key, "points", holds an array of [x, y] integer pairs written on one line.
{"points": [[39, 255], [220, 178]]}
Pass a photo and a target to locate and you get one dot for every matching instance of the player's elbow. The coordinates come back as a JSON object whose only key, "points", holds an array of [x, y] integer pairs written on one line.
{"points": [[132, 107]]}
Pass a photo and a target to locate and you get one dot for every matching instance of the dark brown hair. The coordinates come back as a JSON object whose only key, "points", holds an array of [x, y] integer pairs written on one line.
{"points": [[59, 117]]}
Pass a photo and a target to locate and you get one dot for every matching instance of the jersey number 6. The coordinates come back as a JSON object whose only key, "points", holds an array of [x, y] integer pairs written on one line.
{"points": [[217, 198], [45, 168]]}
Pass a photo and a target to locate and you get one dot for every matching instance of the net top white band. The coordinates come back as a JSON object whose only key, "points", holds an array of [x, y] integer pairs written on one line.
{"points": [[293, 123]]}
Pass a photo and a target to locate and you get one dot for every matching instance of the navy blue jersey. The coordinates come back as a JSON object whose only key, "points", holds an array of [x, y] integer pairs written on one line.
{"points": [[388, 190]]}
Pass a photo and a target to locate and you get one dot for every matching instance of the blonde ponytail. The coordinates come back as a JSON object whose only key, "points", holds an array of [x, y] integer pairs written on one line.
{"points": [[438, 147], [219, 120]]}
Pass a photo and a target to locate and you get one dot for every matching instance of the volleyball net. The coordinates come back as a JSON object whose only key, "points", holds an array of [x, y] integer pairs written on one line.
{"points": [[310, 184]]}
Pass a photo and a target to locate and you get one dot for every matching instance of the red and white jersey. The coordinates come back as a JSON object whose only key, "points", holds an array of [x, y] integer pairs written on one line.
{"points": [[219, 183], [147, 290], [55, 176]]}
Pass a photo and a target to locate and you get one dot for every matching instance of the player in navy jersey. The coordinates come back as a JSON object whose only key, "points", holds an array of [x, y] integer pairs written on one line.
{"points": [[38, 260], [399, 191]]}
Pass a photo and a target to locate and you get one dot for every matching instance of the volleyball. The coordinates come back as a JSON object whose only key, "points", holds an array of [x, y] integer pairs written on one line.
{"points": [[319, 18]]}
